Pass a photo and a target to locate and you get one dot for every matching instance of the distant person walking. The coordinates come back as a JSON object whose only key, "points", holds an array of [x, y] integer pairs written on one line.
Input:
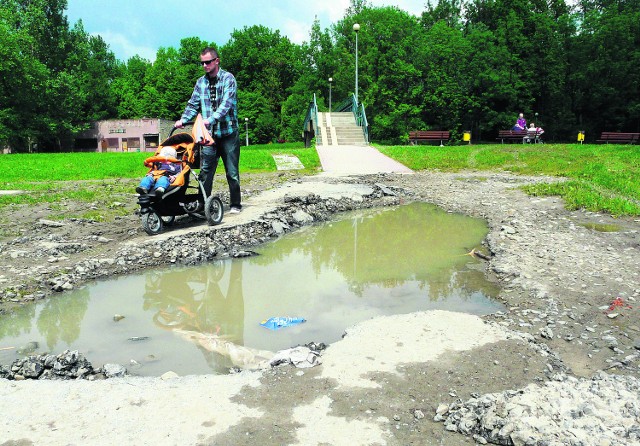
{"points": [[215, 97]]}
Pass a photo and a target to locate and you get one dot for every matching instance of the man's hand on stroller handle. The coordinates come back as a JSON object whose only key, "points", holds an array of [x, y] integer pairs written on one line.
{"points": [[179, 124]]}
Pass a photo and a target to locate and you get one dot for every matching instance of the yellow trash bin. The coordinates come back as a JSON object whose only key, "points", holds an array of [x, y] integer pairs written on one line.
{"points": [[581, 136], [466, 136]]}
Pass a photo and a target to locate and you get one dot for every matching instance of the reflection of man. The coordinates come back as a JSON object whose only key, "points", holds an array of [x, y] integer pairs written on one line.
{"points": [[192, 304], [224, 332], [202, 307], [226, 312], [174, 299]]}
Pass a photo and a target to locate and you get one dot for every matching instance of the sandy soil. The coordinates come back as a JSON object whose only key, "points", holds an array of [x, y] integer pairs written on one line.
{"points": [[384, 381]]}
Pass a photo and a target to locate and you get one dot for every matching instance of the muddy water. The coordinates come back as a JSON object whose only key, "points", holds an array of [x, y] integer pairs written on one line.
{"points": [[198, 319]]}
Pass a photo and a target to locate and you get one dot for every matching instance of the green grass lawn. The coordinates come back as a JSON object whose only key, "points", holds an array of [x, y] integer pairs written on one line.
{"points": [[55, 178], [599, 177], [603, 177]]}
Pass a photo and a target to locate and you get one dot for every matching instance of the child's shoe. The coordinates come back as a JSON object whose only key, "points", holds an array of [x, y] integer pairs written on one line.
{"points": [[141, 190], [159, 191]]}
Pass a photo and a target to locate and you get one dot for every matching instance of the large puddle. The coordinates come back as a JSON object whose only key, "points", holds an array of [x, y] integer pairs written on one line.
{"points": [[193, 320]]}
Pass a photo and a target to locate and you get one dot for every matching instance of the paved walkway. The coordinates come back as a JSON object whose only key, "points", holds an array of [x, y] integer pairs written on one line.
{"points": [[344, 160]]}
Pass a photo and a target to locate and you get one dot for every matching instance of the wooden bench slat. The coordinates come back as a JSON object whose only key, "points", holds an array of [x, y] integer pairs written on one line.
{"points": [[429, 135], [517, 135], [619, 137]]}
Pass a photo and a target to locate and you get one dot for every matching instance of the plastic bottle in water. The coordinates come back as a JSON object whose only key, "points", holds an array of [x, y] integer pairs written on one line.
{"points": [[275, 323]]}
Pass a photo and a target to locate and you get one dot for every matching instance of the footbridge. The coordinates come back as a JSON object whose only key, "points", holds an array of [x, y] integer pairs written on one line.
{"points": [[346, 126], [342, 141]]}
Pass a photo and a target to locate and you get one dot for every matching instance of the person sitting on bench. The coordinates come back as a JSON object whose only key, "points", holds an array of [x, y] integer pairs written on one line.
{"points": [[534, 132]]}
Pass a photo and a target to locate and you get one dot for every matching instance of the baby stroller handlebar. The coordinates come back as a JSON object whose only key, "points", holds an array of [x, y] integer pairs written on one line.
{"points": [[174, 128]]}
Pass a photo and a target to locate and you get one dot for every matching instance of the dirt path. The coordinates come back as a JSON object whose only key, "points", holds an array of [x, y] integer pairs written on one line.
{"points": [[384, 382]]}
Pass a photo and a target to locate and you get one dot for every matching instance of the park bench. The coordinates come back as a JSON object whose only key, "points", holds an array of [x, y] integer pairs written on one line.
{"points": [[619, 138], [512, 135], [428, 135]]}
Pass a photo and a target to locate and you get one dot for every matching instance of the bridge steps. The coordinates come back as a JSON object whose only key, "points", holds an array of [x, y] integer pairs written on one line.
{"points": [[337, 129]]}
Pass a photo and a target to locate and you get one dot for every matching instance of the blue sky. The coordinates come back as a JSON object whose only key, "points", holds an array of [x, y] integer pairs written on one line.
{"points": [[141, 27]]}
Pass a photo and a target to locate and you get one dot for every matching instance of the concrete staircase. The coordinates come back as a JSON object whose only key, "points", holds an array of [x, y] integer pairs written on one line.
{"points": [[339, 129]]}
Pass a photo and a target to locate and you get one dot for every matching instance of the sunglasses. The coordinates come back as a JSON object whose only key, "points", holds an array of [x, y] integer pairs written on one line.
{"points": [[207, 62]]}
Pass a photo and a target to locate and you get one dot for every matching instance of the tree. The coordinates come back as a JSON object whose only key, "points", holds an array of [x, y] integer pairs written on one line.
{"points": [[21, 80], [128, 87], [56, 78], [265, 64], [391, 60], [605, 83]]}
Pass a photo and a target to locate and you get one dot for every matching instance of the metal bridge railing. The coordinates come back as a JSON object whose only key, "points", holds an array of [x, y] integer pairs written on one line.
{"points": [[309, 129], [359, 114]]}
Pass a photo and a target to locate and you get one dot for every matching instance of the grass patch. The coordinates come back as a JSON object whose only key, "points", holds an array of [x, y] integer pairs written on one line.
{"points": [[56, 177], [601, 177]]}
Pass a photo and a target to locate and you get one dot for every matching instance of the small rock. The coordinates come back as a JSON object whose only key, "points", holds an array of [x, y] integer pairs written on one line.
{"points": [[611, 341], [479, 439], [51, 223], [442, 409], [546, 333], [138, 338], [114, 370], [169, 375]]}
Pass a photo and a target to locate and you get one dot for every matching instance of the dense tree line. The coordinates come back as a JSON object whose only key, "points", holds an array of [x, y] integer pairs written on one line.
{"points": [[464, 64]]}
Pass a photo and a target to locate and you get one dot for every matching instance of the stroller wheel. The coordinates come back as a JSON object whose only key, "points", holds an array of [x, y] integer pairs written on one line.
{"points": [[213, 210], [168, 220], [152, 223]]}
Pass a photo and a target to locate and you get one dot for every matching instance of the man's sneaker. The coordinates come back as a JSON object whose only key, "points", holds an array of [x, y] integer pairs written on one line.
{"points": [[159, 191], [141, 190], [235, 210]]}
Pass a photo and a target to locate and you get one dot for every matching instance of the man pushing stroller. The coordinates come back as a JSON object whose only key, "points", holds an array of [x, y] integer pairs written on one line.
{"points": [[163, 169]]}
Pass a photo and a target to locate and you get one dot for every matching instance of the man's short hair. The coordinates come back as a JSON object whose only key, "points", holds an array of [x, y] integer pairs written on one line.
{"points": [[209, 50]]}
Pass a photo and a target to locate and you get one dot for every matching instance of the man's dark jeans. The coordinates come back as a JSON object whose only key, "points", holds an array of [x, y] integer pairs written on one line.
{"points": [[227, 148]]}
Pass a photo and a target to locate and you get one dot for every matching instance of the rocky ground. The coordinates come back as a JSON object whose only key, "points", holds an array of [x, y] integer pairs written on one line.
{"points": [[562, 365]]}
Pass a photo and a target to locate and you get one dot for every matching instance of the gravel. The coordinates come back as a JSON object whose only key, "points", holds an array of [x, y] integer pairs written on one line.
{"points": [[564, 371]]}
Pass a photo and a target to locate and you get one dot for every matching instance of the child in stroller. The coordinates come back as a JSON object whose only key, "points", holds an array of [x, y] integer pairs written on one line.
{"points": [[162, 173], [180, 197]]}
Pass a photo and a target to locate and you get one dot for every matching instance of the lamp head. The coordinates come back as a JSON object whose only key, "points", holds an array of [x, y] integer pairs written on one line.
{"points": [[356, 27]]}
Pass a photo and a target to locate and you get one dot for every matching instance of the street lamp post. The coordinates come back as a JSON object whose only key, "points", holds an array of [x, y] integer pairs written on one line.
{"points": [[330, 80], [356, 28], [246, 127]]}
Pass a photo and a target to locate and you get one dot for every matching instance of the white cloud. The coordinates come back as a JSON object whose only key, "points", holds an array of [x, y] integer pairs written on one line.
{"points": [[333, 9], [125, 48], [132, 28]]}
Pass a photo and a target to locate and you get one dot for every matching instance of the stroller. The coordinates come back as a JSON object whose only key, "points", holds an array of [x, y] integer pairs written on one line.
{"points": [[181, 197]]}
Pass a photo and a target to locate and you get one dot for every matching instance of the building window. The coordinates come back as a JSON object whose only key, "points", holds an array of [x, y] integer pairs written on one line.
{"points": [[133, 143]]}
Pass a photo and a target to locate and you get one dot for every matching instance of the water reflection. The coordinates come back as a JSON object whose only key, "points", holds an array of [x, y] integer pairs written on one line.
{"points": [[56, 319], [207, 318], [388, 248], [192, 299], [59, 319], [191, 302]]}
